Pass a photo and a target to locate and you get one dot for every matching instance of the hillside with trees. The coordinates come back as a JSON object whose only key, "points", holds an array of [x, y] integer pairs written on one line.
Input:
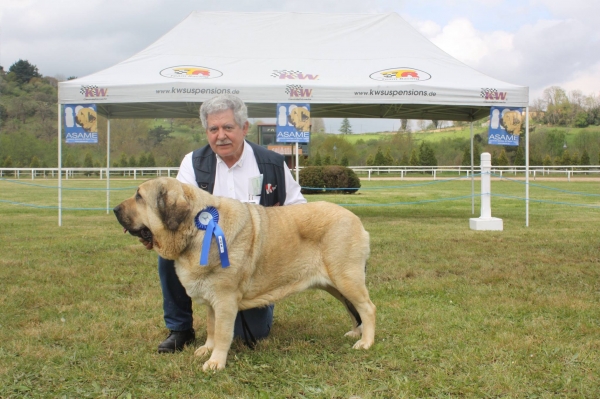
{"points": [[564, 130]]}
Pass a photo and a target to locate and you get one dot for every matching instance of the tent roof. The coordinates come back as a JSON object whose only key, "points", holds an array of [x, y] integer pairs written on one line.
{"points": [[344, 65]]}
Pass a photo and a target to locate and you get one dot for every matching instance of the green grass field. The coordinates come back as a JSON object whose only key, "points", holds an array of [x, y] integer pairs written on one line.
{"points": [[461, 313]]}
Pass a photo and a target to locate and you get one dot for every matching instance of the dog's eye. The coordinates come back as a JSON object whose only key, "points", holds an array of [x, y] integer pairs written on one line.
{"points": [[138, 196]]}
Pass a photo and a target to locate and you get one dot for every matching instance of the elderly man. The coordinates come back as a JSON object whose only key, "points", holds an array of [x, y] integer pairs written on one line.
{"points": [[225, 167]]}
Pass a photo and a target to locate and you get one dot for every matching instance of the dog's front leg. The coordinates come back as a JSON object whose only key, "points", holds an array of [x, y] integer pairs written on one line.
{"points": [[210, 334], [224, 312]]}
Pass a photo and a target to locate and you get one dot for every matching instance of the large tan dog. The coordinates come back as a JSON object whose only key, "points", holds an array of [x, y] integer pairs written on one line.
{"points": [[274, 252]]}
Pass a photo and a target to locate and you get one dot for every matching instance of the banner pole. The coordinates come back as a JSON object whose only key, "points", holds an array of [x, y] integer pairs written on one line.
{"points": [[298, 181], [59, 165]]}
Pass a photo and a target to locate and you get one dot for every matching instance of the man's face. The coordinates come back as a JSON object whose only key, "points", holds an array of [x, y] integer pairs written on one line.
{"points": [[225, 137]]}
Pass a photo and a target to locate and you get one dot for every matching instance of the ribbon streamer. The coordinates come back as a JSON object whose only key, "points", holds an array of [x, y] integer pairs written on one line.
{"points": [[208, 219]]}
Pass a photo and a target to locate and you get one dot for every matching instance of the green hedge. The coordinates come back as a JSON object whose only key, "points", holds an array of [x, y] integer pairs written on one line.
{"points": [[316, 179]]}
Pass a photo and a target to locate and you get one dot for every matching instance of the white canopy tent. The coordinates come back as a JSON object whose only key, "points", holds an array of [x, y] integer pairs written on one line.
{"points": [[344, 65]]}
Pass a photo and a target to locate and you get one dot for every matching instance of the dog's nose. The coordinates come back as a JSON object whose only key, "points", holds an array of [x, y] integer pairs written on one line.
{"points": [[117, 209]]}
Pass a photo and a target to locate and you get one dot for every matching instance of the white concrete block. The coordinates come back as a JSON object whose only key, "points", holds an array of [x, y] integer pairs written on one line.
{"points": [[486, 224]]}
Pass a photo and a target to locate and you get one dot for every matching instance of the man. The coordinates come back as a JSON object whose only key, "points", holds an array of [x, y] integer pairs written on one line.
{"points": [[225, 167]]}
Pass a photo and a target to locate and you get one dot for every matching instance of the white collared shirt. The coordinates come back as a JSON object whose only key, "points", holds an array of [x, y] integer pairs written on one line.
{"points": [[234, 182]]}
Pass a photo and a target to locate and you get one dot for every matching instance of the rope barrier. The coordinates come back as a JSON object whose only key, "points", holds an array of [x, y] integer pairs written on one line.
{"points": [[66, 188], [335, 189]]}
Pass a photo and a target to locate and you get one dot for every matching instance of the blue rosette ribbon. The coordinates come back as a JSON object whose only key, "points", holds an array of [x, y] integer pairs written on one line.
{"points": [[208, 219]]}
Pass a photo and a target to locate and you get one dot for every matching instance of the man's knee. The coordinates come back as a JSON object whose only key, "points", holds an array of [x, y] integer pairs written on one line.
{"points": [[258, 321]]}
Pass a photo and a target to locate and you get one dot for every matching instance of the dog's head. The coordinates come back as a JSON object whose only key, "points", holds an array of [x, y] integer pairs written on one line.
{"points": [[87, 119], [159, 206], [511, 121], [300, 118]]}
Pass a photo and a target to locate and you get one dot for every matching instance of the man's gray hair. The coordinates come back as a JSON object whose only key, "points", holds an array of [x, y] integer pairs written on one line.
{"points": [[221, 103]]}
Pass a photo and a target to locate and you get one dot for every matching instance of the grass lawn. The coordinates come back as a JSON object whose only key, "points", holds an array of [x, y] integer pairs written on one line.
{"points": [[461, 313]]}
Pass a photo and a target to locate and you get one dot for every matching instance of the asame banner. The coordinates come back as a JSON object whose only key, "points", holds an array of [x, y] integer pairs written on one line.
{"points": [[293, 123], [81, 123], [505, 125]]}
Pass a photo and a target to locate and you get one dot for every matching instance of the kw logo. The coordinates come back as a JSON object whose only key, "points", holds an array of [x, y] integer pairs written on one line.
{"points": [[93, 91], [285, 74], [493, 95], [297, 91]]}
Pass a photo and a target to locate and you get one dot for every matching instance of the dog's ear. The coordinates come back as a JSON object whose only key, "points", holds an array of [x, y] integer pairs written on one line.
{"points": [[173, 206]]}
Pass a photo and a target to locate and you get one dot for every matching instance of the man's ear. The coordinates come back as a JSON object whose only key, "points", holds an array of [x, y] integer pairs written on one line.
{"points": [[173, 206]]}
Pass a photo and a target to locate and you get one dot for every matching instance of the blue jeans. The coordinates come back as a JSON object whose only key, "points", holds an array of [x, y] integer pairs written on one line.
{"points": [[177, 306]]}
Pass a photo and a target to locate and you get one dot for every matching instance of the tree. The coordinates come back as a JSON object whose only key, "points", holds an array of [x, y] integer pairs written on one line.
{"points": [[132, 162], [426, 155], [494, 158], [344, 161], [388, 158], [123, 161], [345, 128], [143, 161], [318, 126], [35, 162], [24, 71], [8, 162], [379, 158], [503, 158], [414, 158], [519, 157], [565, 160], [403, 124], [404, 159], [547, 160], [158, 134], [585, 158], [317, 161], [150, 162], [327, 160]]}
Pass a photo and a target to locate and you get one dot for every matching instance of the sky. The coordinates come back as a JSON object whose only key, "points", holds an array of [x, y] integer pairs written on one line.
{"points": [[534, 43]]}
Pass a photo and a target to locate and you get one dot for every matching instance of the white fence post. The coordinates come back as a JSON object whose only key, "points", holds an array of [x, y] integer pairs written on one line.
{"points": [[486, 221]]}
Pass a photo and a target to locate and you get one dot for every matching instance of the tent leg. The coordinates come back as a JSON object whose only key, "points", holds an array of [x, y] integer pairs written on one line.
{"points": [[526, 166], [107, 166], [472, 174]]}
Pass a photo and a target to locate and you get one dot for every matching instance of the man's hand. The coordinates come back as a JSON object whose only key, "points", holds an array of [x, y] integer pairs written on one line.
{"points": [[147, 244]]}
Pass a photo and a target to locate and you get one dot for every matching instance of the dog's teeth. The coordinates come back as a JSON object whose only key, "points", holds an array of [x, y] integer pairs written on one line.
{"points": [[124, 230]]}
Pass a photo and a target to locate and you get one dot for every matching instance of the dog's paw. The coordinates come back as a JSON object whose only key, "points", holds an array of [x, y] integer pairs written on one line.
{"points": [[202, 351], [362, 344], [354, 333], [213, 365]]}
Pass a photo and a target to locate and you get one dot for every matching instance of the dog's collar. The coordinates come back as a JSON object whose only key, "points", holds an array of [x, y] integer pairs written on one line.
{"points": [[207, 219]]}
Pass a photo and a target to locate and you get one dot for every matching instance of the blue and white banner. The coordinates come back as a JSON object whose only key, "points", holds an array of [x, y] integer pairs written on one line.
{"points": [[81, 123], [505, 125], [293, 123]]}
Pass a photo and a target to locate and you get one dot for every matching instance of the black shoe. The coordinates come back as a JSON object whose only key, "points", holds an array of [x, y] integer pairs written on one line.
{"points": [[176, 341]]}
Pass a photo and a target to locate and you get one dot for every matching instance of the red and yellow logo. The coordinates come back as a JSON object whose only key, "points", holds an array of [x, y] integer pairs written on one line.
{"points": [[190, 72], [402, 74]]}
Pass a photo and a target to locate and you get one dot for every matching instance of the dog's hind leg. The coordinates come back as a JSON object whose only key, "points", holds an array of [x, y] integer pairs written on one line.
{"points": [[354, 295], [354, 315]]}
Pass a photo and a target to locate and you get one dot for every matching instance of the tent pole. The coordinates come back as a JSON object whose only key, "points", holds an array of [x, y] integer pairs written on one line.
{"points": [[526, 166], [59, 165], [107, 165], [472, 176]]}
